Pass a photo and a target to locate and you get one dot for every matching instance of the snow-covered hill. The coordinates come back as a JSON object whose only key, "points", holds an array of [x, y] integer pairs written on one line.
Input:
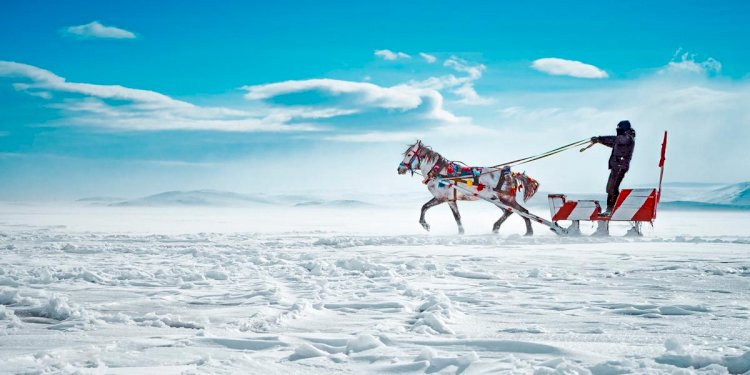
{"points": [[735, 194], [339, 203], [195, 198], [100, 200], [218, 198], [707, 196]]}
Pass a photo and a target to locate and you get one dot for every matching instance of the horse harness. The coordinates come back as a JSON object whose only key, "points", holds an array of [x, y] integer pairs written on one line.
{"points": [[454, 171]]}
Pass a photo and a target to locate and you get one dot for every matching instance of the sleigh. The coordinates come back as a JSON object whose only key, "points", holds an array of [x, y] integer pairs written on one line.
{"points": [[636, 206]]}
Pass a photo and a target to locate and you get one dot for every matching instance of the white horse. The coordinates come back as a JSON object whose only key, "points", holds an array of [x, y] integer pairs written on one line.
{"points": [[438, 171]]}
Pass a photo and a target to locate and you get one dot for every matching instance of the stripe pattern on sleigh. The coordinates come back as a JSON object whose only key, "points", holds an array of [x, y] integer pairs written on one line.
{"points": [[632, 205]]}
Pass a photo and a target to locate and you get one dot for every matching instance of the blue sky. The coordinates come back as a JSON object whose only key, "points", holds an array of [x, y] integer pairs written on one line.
{"points": [[131, 98]]}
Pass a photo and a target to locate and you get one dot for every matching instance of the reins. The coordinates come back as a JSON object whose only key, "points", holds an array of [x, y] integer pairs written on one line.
{"points": [[543, 155], [536, 157], [501, 166]]}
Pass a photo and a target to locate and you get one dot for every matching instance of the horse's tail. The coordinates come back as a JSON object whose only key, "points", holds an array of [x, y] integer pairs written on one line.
{"points": [[528, 184]]}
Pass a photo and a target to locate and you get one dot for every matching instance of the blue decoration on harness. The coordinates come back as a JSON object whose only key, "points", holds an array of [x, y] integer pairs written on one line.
{"points": [[476, 172], [505, 171]]}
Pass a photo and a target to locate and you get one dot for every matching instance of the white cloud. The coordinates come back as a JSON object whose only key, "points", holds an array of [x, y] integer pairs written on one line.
{"points": [[427, 57], [368, 94], [469, 95], [44, 80], [688, 65], [474, 71], [411, 104], [423, 99], [41, 94], [124, 108], [464, 86], [96, 30], [387, 54], [562, 67], [376, 137], [3, 134], [359, 97], [88, 104]]}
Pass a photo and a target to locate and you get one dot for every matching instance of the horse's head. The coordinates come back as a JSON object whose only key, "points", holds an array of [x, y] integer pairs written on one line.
{"points": [[411, 158]]}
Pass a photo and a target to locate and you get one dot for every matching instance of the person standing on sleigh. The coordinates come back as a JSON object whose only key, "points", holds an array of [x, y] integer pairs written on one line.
{"points": [[622, 146]]}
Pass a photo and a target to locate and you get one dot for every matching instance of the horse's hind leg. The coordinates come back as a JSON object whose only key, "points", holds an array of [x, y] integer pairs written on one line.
{"points": [[457, 216], [431, 203], [501, 220], [529, 230]]}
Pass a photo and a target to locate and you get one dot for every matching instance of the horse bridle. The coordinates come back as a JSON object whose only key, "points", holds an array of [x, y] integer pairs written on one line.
{"points": [[411, 161]]}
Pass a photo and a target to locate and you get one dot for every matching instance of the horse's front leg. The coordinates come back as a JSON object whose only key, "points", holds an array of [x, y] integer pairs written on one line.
{"points": [[457, 216], [431, 203]]}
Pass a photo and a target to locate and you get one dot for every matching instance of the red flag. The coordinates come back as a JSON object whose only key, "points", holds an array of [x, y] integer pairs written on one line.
{"points": [[663, 150]]}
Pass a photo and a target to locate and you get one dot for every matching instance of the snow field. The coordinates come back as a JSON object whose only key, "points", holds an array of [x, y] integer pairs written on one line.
{"points": [[340, 300]]}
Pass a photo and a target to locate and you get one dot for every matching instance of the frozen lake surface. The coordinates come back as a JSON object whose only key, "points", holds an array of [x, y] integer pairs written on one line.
{"points": [[365, 290]]}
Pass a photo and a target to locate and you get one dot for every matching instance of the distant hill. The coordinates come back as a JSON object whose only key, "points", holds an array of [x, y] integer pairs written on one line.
{"points": [[707, 197], [687, 205], [342, 203], [291, 199], [195, 198], [100, 199], [218, 198], [735, 194]]}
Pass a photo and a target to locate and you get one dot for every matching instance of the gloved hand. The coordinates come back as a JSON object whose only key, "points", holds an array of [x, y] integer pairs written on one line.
{"points": [[594, 139]]}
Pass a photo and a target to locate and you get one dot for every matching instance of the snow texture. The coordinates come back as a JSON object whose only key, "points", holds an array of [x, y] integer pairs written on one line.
{"points": [[102, 289]]}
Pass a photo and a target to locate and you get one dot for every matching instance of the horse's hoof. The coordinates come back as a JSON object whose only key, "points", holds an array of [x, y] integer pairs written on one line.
{"points": [[426, 226], [529, 234], [495, 230], [460, 230]]}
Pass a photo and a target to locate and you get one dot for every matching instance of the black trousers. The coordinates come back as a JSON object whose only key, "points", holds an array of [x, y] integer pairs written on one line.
{"points": [[613, 186]]}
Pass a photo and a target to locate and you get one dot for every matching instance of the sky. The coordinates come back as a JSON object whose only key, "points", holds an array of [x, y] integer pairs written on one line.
{"points": [[133, 98]]}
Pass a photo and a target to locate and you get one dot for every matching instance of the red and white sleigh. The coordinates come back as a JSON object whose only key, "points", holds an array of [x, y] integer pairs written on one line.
{"points": [[636, 206]]}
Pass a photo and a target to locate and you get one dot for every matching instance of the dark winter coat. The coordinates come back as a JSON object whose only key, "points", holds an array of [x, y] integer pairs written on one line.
{"points": [[622, 148]]}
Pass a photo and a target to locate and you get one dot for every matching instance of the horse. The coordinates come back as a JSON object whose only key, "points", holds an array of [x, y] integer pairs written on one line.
{"points": [[436, 169]]}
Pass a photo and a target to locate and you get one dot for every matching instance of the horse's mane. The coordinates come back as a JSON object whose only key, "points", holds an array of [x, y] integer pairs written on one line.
{"points": [[426, 152]]}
